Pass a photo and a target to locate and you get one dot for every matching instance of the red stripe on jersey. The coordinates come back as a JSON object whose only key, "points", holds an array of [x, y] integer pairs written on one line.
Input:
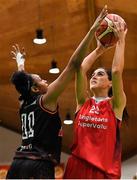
{"points": [[45, 109]]}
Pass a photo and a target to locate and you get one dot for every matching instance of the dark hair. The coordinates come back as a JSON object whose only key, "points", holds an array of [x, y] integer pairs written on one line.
{"points": [[22, 82], [109, 73], [125, 115]]}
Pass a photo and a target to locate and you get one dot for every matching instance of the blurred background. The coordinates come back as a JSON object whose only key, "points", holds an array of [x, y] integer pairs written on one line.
{"points": [[63, 23]]}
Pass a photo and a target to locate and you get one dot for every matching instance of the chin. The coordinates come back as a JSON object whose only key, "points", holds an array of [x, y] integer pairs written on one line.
{"points": [[93, 87], [45, 92]]}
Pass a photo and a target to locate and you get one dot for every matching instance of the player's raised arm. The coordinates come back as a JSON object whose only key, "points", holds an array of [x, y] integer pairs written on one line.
{"points": [[119, 98], [57, 87]]}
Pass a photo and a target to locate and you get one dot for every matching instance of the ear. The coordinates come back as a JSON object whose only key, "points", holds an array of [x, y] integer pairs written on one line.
{"points": [[34, 89], [110, 84]]}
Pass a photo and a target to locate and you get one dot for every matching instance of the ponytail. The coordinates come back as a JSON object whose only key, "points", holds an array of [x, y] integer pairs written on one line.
{"points": [[22, 82]]}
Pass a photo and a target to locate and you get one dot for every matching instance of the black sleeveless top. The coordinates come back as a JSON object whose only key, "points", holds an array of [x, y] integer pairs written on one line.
{"points": [[41, 132]]}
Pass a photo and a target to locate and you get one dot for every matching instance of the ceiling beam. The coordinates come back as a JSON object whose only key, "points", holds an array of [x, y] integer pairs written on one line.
{"points": [[91, 17]]}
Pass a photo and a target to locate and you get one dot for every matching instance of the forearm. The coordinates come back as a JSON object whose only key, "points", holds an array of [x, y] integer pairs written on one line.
{"points": [[80, 86], [91, 58], [80, 52], [21, 67], [118, 60], [119, 98]]}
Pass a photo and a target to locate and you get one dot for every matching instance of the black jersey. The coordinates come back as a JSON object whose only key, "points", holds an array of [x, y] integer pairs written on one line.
{"points": [[41, 132]]}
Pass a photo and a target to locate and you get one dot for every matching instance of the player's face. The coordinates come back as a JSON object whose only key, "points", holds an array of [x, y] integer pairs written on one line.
{"points": [[99, 80], [41, 84]]}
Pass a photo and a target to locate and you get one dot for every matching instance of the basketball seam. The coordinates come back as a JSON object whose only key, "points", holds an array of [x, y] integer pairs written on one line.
{"points": [[105, 32]]}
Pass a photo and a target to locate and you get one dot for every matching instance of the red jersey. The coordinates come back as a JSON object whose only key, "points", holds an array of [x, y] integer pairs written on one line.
{"points": [[97, 136]]}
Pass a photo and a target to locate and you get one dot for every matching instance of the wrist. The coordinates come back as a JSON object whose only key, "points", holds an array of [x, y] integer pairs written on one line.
{"points": [[20, 59], [94, 27], [20, 63], [100, 50], [21, 67], [121, 42]]}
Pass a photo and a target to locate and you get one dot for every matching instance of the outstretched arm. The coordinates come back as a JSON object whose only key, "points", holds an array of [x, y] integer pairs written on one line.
{"points": [[81, 51], [19, 57], [74, 63], [119, 98]]}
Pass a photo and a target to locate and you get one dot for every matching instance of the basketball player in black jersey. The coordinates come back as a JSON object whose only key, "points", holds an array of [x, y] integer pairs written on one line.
{"points": [[41, 125]]}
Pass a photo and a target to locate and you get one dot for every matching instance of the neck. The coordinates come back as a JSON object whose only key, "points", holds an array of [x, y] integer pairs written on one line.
{"points": [[100, 95], [98, 99]]}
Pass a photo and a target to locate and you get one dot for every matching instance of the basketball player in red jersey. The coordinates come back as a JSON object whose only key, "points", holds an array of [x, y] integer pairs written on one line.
{"points": [[41, 142], [96, 151]]}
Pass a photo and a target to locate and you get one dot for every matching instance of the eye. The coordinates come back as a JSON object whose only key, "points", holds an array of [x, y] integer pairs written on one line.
{"points": [[100, 73], [92, 75], [39, 79]]}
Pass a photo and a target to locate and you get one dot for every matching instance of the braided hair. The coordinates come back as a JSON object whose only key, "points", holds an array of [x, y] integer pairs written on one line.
{"points": [[23, 83]]}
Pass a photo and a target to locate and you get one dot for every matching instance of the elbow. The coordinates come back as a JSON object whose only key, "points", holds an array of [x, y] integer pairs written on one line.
{"points": [[72, 66], [117, 70], [75, 63], [84, 69]]}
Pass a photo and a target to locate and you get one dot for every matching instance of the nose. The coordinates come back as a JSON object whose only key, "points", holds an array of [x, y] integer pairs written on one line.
{"points": [[45, 81], [94, 76]]}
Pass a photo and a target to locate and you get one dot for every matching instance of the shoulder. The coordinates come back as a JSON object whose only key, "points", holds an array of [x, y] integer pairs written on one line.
{"points": [[84, 105], [109, 100], [47, 108], [117, 111]]}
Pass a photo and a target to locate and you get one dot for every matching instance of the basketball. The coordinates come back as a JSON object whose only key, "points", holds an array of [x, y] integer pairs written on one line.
{"points": [[105, 34]]}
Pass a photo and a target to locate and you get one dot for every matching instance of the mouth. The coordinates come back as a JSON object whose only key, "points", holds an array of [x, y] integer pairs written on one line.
{"points": [[93, 82]]}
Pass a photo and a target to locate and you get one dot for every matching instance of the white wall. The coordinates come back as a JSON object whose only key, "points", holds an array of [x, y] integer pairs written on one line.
{"points": [[10, 140], [129, 168]]}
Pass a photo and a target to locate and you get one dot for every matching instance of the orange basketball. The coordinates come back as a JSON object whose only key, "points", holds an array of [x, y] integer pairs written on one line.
{"points": [[105, 33]]}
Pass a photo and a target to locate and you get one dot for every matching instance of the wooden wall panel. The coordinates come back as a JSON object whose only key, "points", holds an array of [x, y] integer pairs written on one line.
{"points": [[71, 21]]}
